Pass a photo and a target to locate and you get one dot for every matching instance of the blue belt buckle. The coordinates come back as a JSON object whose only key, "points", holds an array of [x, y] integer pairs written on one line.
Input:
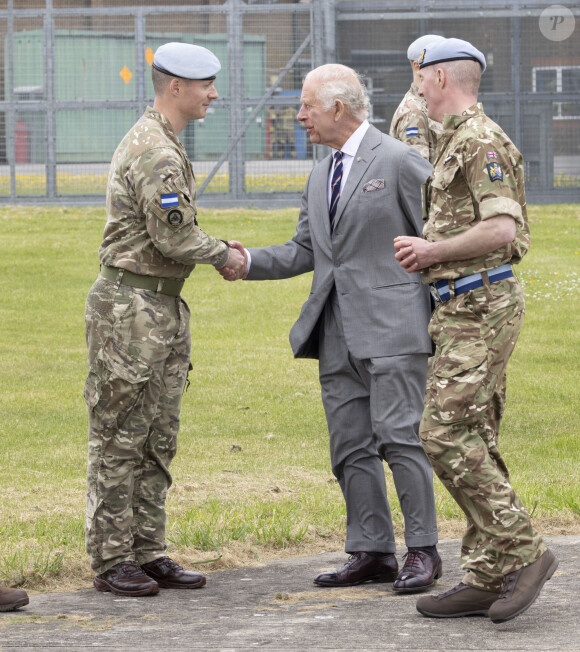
{"points": [[434, 293], [442, 290]]}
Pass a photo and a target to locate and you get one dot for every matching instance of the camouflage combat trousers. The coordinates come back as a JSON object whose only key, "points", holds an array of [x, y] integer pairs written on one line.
{"points": [[475, 334], [139, 350]]}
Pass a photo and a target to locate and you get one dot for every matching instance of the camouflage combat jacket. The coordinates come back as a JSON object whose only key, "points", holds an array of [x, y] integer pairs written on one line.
{"points": [[478, 174], [411, 125], [151, 214]]}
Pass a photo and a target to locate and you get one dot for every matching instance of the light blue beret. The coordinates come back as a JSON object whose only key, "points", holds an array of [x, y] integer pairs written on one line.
{"points": [[450, 49], [418, 45], [186, 61]]}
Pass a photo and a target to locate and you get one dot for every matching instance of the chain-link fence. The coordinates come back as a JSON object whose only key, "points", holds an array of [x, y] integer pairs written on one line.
{"points": [[76, 76]]}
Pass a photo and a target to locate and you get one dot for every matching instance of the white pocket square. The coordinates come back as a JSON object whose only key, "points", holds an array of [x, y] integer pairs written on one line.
{"points": [[374, 184]]}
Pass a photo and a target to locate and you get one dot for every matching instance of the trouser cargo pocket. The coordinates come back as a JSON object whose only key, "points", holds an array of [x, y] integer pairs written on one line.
{"points": [[114, 383]]}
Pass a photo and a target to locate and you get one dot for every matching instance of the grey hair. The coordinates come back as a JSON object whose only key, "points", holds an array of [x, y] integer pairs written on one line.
{"points": [[338, 82]]}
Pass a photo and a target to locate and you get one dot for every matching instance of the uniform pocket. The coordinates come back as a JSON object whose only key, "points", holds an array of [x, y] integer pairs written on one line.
{"points": [[451, 206], [458, 379], [114, 383], [446, 176]]}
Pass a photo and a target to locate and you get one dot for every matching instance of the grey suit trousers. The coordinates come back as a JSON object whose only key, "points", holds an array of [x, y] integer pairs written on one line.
{"points": [[373, 409]]}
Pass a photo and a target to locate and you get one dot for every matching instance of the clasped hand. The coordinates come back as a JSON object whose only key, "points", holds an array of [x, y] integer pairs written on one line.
{"points": [[413, 254], [236, 265]]}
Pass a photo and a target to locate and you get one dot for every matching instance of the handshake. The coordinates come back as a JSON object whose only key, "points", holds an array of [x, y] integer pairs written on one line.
{"points": [[236, 266]]}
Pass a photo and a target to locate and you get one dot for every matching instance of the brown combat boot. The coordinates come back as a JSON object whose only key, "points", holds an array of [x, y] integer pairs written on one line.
{"points": [[169, 575], [126, 578], [520, 588], [11, 599], [461, 600]]}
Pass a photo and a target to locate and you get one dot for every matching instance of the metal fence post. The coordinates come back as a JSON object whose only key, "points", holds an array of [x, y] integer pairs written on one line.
{"points": [[51, 188], [236, 97], [319, 31], [10, 119], [516, 72], [140, 67], [329, 21]]}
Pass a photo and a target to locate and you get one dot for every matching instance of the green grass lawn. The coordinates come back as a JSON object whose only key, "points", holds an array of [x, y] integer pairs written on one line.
{"points": [[252, 476]]}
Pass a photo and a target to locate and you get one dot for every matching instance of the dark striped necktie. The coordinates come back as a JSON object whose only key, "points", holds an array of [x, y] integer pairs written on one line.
{"points": [[335, 187]]}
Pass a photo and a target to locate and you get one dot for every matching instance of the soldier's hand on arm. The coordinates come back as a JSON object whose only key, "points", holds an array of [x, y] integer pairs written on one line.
{"points": [[415, 254]]}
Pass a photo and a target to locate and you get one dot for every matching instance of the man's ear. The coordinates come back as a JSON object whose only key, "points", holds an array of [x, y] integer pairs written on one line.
{"points": [[174, 86], [441, 78], [338, 110]]}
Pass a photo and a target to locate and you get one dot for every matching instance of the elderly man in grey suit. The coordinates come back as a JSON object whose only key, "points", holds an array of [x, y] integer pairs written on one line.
{"points": [[366, 321]]}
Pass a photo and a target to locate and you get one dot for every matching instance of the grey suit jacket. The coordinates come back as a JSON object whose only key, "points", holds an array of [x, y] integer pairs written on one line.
{"points": [[385, 311]]}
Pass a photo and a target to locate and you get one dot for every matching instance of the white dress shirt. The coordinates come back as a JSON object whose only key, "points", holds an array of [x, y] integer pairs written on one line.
{"points": [[349, 150]]}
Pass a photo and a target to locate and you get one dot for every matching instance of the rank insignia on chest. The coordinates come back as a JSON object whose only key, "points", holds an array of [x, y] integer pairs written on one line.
{"points": [[495, 172], [168, 201], [412, 131]]}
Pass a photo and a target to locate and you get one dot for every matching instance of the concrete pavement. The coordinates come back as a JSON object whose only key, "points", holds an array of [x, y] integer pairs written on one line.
{"points": [[277, 607]]}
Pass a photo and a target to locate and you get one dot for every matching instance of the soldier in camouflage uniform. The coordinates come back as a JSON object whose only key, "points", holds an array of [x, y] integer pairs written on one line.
{"points": [[137, 330], [411, 124], [476, 228]]}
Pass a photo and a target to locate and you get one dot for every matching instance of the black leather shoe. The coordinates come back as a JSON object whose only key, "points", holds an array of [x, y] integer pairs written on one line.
{"points": [[170, 575], [126, 578], [419, 572], [361, 567]]}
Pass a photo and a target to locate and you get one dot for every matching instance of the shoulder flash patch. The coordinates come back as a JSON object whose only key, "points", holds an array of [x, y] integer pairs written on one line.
{"points": [[167, 201], [492, 155], [412, 131], [495, 172]]}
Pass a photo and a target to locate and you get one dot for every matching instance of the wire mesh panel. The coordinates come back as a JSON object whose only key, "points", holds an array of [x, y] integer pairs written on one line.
{"points": [[76, 74], [530, 87], [23, 130], [282, 157]]}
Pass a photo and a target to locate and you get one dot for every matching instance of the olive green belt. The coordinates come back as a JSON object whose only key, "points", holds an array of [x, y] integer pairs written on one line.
{"points": [[153, 283]]}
